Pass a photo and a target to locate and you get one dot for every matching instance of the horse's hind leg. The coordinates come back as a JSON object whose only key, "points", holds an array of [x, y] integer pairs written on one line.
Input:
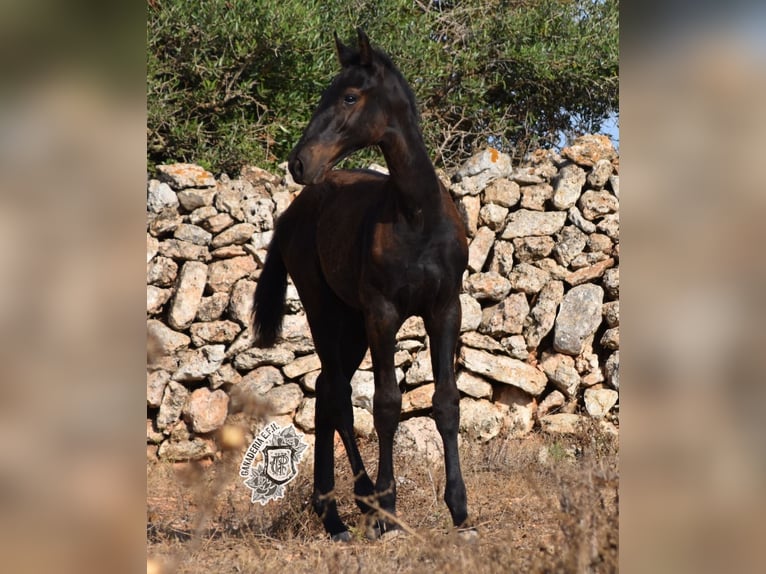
{"points": [[353, 345], [324, 461], [340, 343], [443, 328]]}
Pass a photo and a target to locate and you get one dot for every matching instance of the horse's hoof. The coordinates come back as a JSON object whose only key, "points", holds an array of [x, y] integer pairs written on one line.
{"points": [[344, 536]]}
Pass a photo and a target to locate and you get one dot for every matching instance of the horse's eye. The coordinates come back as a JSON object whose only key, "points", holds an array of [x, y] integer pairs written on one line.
{"points": [[349, 99]]}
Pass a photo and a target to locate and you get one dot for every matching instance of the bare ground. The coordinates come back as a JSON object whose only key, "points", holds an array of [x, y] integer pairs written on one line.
{"points": [[540, 504]]}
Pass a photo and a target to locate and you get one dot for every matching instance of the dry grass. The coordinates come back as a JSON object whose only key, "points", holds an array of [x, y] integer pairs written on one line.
{"points": [[541, 504]]}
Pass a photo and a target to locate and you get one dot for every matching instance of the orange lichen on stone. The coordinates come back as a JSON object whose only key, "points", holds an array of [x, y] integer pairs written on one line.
{"points": [[494, 155]]}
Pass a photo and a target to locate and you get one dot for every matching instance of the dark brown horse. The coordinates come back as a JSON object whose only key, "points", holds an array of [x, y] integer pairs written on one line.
{"points": [[365, 252]]}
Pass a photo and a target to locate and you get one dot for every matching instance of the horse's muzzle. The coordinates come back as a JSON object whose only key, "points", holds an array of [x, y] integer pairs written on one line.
{"points": [[295, 165]]}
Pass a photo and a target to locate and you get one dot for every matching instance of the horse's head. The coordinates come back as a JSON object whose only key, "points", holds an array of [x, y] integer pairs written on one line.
{"points": [[354, 112]]}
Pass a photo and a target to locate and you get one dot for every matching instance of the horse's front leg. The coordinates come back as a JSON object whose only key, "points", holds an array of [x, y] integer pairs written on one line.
{"points": [[443, 327], [382, 323]]}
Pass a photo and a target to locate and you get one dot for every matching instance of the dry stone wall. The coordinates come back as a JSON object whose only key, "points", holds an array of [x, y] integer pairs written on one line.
{"points": [[539, 343]]}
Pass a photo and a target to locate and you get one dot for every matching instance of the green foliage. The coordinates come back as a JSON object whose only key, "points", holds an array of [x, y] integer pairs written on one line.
{"points": [[232, 82]]}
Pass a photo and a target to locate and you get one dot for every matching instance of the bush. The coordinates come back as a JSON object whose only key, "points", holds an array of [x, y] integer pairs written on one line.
{"points": [[234, 82]]}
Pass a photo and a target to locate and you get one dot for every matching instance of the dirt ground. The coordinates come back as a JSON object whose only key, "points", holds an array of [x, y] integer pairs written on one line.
{"points": [[540, 504]]}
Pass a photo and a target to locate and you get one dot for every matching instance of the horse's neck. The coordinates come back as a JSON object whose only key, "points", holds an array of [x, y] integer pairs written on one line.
{"points": [[412, 174]]}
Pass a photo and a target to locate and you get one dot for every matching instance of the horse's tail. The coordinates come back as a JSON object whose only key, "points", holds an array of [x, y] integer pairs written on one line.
{"points": [[270, 297]]}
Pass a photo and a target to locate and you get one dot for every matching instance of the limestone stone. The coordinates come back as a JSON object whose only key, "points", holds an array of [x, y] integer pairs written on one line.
{"points": [[213, 332], [528, 278], [599, 175], [304, 418], [578, 318], [362, 390], [611, 312], [191, 284], [257, 357], [156, 381], [156, 298], [589, 273], [183, 175], [562, 423], [194, 198], [186, 250], [561, 371], [236, 234], [418, 399], [301, 366], [598, 402], [192, 234], [569, 243], [412, 328], [218, 222], [575, 216], [588, 149], [489, 286], [224, 273], [211, 308], [552, 401], [481, 420], [168, 340], [611, 282], [524, 222], [160, 196], [284, 399], [516, 347], [160, 224], [161, 271], [468, 208], [543, 313], [611, 339], [505, 318], [479, 248], [152, 246], [612, 370], [528, 249], [503, 370], [225, 375], [206, 410], [191, 449], [473, 386], [471, 313], [241, 302], [594, 204], [364, 424], [420, 437], [522, 409], [228, 252], [534, 196], [420, 372], [492, 216], [501, 258], [173, 401], [201, 215], [196, 364], [503, 192], [568, 187], [479, 341], [259, 211]]}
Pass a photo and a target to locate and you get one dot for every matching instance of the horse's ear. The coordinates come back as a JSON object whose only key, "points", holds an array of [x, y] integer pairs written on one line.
{"points": [[365, 52], [344, 52]]}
